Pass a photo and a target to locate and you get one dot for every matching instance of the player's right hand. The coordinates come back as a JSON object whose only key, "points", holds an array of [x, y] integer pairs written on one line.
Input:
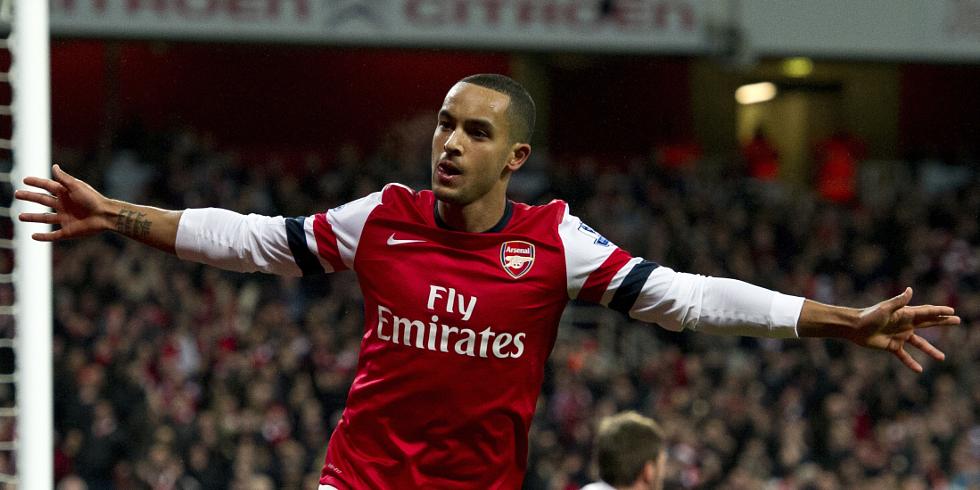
{"points": [[79, 209]]}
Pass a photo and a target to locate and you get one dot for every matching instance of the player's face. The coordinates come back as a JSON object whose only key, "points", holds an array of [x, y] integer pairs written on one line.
{"points": [[472, 152]]}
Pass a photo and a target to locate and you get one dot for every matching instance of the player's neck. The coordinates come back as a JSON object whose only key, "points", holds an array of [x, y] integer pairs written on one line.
{"points": [[475, 217]]}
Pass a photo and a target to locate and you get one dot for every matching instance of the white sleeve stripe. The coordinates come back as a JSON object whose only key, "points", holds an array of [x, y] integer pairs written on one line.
{"points": [[311, 243], [396, 184], [617, 280], [348, 223], [583, 252]]}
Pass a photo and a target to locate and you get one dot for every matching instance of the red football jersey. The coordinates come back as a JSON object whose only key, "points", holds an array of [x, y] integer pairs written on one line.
{"points": [[458, 327]]}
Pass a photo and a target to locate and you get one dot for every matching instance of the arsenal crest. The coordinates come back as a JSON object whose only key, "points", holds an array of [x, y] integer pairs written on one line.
{"points": [[517, 257]]}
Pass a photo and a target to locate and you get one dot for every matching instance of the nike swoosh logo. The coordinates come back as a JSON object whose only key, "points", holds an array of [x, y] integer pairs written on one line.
{"points": [[394, 241]]}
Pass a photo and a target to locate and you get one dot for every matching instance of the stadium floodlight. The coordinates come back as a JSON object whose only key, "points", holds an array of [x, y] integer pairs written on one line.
{"points": [[797, 67], [755, 93]]}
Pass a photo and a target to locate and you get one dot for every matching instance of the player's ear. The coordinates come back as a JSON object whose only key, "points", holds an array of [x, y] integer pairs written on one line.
{"points": [[649, 473], [655, 471], [518, 155]]}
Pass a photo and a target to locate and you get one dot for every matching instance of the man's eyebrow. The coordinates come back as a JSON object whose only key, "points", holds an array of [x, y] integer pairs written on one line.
{"points": [[481, 122]]}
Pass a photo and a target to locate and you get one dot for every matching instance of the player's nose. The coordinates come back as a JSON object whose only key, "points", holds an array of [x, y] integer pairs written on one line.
{"points": [[452, 144]]}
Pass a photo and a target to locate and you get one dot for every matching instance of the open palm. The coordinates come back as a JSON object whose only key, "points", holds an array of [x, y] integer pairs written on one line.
{"points": [[892, 324], [77, 206]]}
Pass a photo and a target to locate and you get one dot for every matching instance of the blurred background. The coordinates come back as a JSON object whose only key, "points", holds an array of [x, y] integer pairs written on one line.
{"points": [[823, 148]]}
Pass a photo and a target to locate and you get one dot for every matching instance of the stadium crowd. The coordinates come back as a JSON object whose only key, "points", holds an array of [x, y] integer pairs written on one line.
{"points": [[174, 375]]}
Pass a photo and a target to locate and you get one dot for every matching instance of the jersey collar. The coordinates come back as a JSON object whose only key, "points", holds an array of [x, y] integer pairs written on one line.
{"points": [[497, 228]]}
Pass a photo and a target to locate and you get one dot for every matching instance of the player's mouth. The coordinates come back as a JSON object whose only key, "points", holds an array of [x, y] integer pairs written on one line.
{"points": [[447, 172]]}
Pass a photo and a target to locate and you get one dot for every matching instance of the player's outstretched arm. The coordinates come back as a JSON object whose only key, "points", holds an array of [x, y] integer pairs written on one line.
{"points": [[888, 325], [80, 211]]}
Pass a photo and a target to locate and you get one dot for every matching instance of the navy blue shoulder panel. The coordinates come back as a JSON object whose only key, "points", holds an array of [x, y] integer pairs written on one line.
{"points": [[296, 236], [629, 290]]}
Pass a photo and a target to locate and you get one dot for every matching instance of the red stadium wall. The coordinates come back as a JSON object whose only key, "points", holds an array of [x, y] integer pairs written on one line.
{"points": [[78, 92], [250, 96], [624, 105], [295, 99], [939, 107]]}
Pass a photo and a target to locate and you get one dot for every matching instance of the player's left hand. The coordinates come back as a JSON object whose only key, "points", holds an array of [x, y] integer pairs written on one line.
{"points": [[892, 324]]}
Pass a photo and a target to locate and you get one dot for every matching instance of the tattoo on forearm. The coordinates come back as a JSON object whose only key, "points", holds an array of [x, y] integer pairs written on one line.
{"points": [[133, 223]]}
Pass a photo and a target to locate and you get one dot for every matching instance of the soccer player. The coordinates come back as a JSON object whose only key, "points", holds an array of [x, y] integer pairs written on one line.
{"points": [[629, 451], [463, 290]]}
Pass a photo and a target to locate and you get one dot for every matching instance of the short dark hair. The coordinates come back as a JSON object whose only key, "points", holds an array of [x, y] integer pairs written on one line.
{"points": [[625, 443], [521, 110]]}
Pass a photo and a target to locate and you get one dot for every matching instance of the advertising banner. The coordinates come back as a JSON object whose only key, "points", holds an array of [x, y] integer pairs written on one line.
{"points": [[576, 25], [931, 30]]}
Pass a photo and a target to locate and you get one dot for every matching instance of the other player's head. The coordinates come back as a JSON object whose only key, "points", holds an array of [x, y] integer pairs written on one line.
{"points": [[630, 452], [482, 136]]}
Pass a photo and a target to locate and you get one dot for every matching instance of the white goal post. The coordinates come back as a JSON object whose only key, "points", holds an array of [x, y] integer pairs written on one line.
{"points": [[31, 145]]}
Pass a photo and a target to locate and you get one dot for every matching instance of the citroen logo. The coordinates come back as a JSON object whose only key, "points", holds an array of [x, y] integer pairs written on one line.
{"points": [[343, 12]]}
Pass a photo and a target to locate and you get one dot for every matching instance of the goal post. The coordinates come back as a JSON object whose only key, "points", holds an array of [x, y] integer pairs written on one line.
{"points": [[31, 145]]}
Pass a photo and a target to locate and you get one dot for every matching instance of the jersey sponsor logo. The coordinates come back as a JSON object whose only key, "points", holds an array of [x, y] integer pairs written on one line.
{"points": [[594, 235], [439, 335], [517, 257], [395, 241]]}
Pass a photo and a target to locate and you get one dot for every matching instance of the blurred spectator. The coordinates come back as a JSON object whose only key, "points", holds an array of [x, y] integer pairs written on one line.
{"points": [[126, 177], [630, 453], [72, 482], [837, 161], [761, 157]]}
